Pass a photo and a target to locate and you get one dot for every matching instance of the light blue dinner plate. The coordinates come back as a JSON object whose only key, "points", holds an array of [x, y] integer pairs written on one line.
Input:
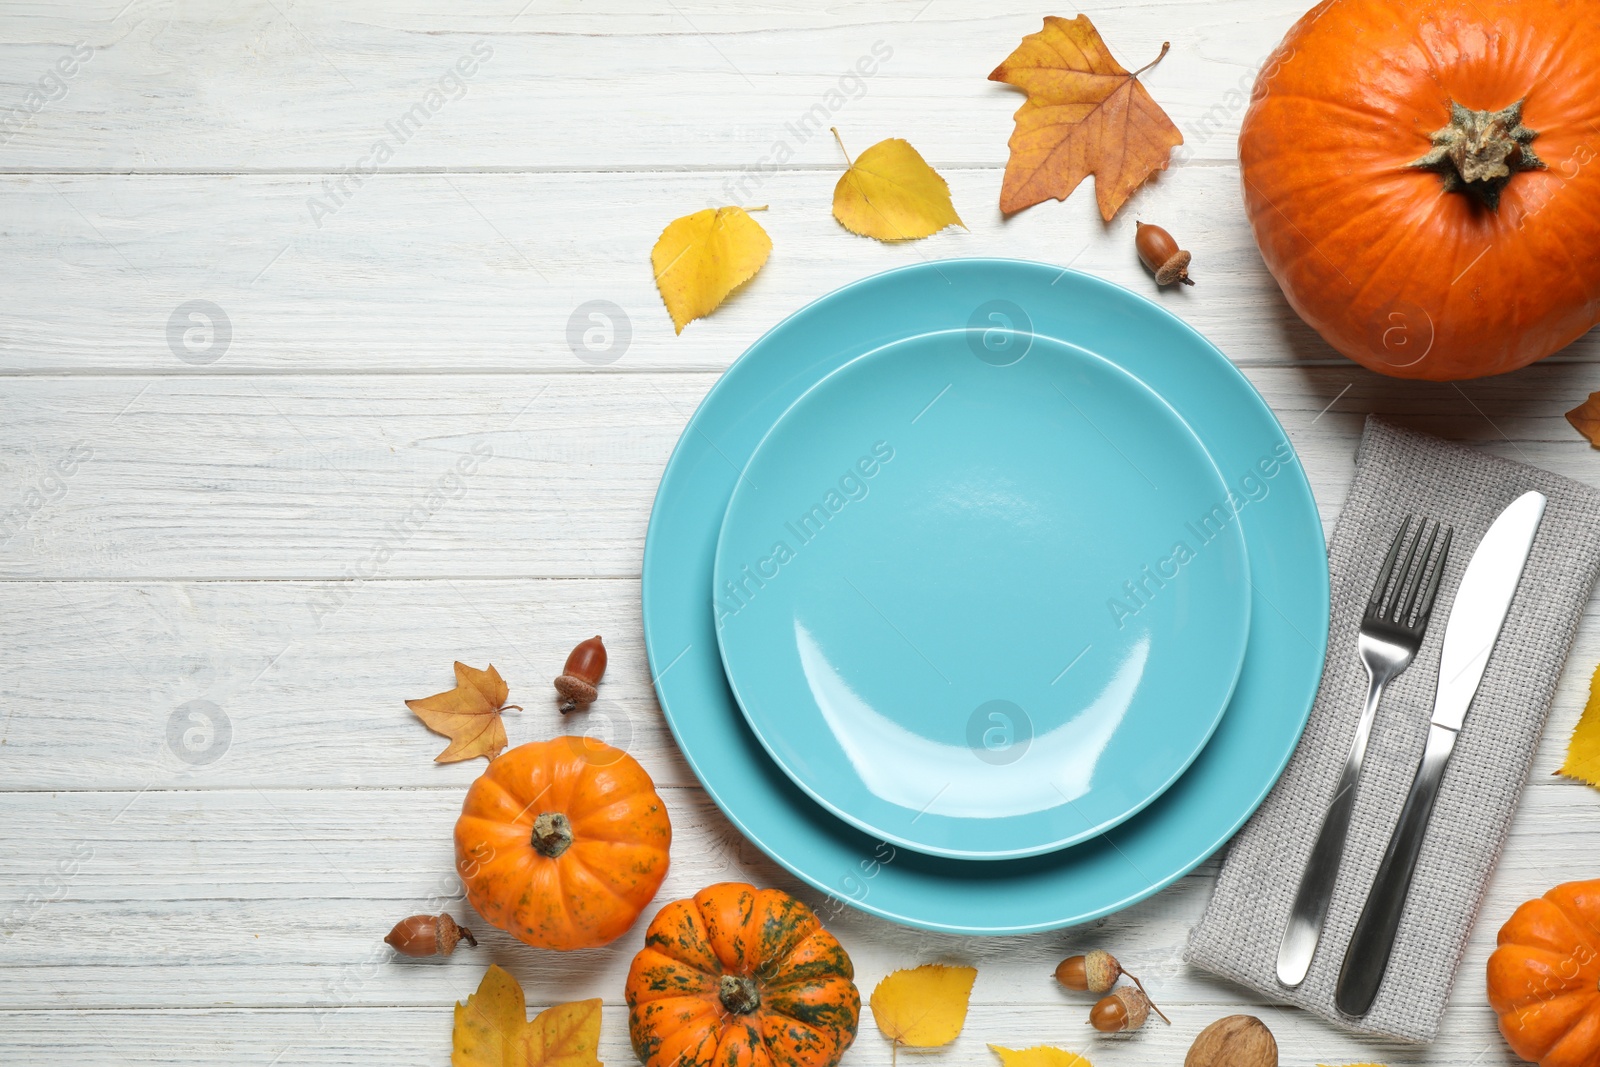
{"points": [[981, 601], [1269, 496]]}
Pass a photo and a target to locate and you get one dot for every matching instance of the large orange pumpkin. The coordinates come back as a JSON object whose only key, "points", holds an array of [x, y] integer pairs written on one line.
{"points": [[741, 977], [562, 843], [1544, 978], [1422, 178]]}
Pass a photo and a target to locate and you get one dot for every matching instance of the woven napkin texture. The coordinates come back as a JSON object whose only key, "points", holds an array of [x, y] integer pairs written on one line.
{"points": [[1400, 473]]}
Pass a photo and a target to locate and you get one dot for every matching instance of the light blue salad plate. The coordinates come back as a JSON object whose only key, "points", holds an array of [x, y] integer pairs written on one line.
{"points": [[1004, 302], [981, 600]]}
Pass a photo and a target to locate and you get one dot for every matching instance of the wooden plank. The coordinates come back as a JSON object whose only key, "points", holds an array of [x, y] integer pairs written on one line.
{"points": [[406, 1036], [344, 479], [276, 894], [621, 84], [225, 685], [499, 272], [489, 270], [335, 478], [277, 710]]}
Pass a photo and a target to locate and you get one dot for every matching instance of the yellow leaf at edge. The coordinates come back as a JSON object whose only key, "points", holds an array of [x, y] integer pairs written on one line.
{"points": [[1085, 114], [923, 1007], [469, 714], [892, 194], [1038, 1056], [492, 1029], [1585, 418], [1583, 751], [701, 258]]}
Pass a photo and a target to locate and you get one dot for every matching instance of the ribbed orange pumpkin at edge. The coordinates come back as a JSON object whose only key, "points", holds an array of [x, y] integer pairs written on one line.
{"points": [[1348, 159], [1544, 977], [741, 977], [562, 843]]}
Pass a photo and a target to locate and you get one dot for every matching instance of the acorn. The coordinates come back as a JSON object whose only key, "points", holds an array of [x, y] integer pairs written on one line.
{"points": [[1158, 251], [428, 935], [1122, 1009], [1095, 972], [580, 677]]}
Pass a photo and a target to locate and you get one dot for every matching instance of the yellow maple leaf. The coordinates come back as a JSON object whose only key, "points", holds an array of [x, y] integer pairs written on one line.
{"points": [[1085, 114], [1038, 1056], [493, 1030], [701, 258], [923, 1007], [1583, 751], [469, 714], [891, 193]]}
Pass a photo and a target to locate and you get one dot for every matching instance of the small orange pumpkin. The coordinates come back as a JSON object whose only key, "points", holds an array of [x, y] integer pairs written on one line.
{"points": [[1421, 178], [562, 843], [1544, 978], [741, 977]]}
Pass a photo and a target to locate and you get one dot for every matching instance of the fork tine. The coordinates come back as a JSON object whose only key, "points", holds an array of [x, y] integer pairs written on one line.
{"points": [[1388, 565], [1403, 613], [1392, 612], [1437, 572]]}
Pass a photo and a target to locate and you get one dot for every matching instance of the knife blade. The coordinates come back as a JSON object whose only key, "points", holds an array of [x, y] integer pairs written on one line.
{"points": [[1481, 603]]}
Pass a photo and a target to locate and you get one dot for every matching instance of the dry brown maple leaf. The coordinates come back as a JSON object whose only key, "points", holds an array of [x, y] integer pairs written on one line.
{"points": [[1084, 115], [469, 714], [1585, 418]]}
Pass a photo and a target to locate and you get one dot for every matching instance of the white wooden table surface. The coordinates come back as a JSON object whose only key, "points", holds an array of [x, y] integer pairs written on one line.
{"points": [[212, 517]]}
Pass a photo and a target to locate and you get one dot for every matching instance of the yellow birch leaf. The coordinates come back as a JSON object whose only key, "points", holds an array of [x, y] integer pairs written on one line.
{"points": [[469, 714], [891, 193], [923, 1007], [1038, 1056], [1583, 751], [701, 258], [492, 1029]]}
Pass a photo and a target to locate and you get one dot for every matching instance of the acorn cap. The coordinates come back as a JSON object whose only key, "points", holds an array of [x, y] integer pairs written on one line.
{"points": [[576, 689], [1135, 1003], [1175, 269], [1101, 970]]}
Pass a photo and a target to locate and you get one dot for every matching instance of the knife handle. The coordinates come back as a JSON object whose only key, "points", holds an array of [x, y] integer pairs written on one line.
{"points": [[1367, 956]]}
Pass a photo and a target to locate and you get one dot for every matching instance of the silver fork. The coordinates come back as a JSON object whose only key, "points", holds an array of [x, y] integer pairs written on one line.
{"points": [[1391, 632]]}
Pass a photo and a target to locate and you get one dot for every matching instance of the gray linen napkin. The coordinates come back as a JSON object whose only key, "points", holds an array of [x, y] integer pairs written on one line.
{"points": [[1400, 472]]}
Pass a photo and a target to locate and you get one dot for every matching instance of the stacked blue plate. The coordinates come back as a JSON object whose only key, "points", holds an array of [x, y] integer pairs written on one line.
{"points": [[984, 580]]}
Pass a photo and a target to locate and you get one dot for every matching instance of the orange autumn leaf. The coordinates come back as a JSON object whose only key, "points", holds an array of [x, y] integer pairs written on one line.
{"points": [[492, 1029], [469, 714], [1585, 418], [1085, 114]]}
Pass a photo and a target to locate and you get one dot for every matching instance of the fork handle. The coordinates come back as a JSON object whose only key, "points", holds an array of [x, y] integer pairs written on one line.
{"points": [[1367, 956], [1311, 901]]}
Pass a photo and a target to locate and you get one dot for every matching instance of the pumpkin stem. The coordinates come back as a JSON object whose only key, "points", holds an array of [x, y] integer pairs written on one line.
{"points": [[552, 834], [1478, 151], [739, 993]]}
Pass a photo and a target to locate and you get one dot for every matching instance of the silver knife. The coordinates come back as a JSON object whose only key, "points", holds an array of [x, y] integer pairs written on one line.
{"points": [[1480, 608]]}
